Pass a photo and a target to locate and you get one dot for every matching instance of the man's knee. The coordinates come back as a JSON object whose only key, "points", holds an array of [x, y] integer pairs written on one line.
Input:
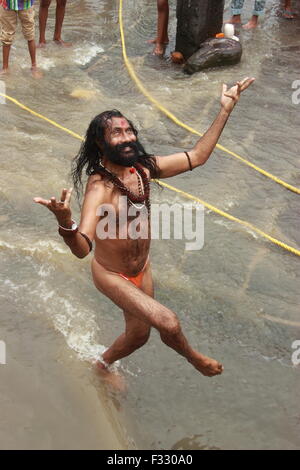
{"points": [[170, 326]]}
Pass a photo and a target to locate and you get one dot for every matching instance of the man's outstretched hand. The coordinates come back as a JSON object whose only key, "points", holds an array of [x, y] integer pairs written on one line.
{"points": [[230, 97], [61, 209]]}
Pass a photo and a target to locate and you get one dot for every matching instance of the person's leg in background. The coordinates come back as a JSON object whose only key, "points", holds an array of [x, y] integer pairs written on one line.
{"points": [[287, 10], [43, 16], [59, 18], [26, 18], [8, 23], [162, 37], [259, 6], [236, 11]]}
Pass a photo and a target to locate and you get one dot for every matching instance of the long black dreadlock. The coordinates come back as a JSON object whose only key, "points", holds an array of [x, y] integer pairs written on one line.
{"points": [[90, 153]]}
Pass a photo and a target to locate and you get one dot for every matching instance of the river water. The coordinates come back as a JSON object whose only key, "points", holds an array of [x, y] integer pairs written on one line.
{"points": [[237, 298]]}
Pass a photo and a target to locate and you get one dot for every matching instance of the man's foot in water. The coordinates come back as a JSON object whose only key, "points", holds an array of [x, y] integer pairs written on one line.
{"points": [[251, 23], [4, 72], [159, 49], [62, 43], [111, 378], [235, 19], [36, 73], [207, 366], [41, 44]]}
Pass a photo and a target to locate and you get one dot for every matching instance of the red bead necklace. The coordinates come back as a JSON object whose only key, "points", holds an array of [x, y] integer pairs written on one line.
{"points": [[143, 197]]}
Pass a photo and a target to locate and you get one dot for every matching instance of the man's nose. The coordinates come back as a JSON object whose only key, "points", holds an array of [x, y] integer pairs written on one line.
{"points": [[128, 137]]}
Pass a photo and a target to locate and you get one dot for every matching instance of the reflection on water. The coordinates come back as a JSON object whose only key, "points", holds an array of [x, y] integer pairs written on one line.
{"points": [[238, 298]]}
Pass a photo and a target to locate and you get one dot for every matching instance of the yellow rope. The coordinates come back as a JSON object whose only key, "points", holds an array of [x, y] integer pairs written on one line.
{"points": [[171, 116], [172, 188], [231, 217], [13, 100]]}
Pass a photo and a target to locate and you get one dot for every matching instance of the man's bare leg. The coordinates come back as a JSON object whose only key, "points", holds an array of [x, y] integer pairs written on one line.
{"points": [[32, 52], [60, 14], [148, 310], [43, 16], [136, 335], [137, 332], [162, 37], [36, 73], [5, 58]]}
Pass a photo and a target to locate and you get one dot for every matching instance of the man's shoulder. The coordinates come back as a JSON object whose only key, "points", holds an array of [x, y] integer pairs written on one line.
{"points": [[94, 180], [95, 183], [95, 192]]}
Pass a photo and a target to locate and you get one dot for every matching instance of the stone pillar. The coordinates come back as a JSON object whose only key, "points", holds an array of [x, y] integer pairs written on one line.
{"points": [[197, 20]]}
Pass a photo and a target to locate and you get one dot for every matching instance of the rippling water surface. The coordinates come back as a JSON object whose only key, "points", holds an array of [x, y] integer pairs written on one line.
{"points": [[237, 298]]}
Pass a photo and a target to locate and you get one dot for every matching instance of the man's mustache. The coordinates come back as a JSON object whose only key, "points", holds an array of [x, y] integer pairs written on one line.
{"points": [[124, 145]]}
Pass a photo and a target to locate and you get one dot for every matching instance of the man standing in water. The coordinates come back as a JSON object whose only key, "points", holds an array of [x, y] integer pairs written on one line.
{"points": [[118, 166], [236, 9], [59, 18], [162, 38]]}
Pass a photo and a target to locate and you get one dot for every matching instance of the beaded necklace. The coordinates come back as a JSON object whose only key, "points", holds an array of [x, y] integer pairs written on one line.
{"points": [[143, 197]]}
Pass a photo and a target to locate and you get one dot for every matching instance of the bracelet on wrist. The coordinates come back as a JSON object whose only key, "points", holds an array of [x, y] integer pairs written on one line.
{"points": [[68, 232]]}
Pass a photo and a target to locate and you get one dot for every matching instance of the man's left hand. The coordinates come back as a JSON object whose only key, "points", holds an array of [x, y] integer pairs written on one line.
{"points": [[230, 97]]}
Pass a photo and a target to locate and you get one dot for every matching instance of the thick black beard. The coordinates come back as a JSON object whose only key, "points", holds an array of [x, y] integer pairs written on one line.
{"points": [[116, 155]]}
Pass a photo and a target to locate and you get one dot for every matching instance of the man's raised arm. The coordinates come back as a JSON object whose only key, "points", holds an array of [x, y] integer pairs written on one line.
{"points": [[79, 238], [180, 162]]}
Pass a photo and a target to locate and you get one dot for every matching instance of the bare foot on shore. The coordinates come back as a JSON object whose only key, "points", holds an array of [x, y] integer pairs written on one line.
{"points": [[113, 379], [36, 73], [235, 19], [4, 72], [62, 43], [159, 49], [207, 366], [41, 44], [251, 23]]}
